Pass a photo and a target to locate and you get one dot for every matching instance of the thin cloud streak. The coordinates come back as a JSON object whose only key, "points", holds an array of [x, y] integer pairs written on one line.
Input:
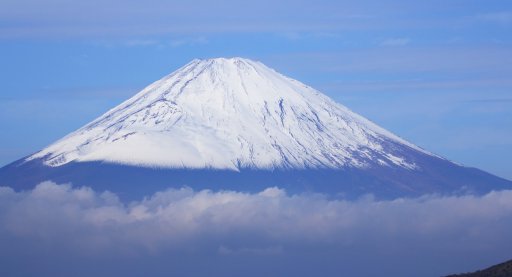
{"points": [[502, 17], [419, 85], [404, 60], [491, 100], [395, 42]]}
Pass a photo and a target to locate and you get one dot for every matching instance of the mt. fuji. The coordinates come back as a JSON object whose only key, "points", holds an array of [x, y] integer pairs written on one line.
{"points": [[237, 124], [229, 114]]}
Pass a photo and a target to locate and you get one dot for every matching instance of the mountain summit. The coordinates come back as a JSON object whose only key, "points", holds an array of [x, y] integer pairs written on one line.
{"points": [[218, 120]]}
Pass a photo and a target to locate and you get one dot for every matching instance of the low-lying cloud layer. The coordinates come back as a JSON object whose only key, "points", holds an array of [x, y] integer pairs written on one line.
{"points": [[60, 230]]}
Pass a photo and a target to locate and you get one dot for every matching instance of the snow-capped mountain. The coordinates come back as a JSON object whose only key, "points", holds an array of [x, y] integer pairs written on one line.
{"points": [[229, 114], [237, 115]]}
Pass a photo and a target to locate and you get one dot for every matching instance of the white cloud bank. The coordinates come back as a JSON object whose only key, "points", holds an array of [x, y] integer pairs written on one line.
{"points": [[60, 230]]}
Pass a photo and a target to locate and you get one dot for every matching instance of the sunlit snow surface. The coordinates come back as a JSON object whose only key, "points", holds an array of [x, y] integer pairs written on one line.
{"points": [[229, 114]]}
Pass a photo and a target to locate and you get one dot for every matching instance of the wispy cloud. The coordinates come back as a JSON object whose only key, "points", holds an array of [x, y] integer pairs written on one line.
{"points": [[502, 17], [490, 100], [175, 42], [296, 36], [427, 236], [395, 42], [188, 41], [439, 59], [142, 42]]}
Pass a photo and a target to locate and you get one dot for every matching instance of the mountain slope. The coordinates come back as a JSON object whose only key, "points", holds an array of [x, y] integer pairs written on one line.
{"points": [[235, 123]]}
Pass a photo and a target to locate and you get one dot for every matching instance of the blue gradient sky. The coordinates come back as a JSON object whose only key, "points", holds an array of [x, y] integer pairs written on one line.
{"points": [[438, 73]]}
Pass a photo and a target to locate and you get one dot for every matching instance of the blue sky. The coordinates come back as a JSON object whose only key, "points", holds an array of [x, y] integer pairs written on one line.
{"points": [[438, 73]]}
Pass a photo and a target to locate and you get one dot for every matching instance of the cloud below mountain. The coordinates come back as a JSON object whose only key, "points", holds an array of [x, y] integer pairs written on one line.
{"points": [[65, 230]]}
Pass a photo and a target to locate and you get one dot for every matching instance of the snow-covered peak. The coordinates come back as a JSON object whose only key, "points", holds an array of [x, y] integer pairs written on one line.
{"points": [[229, 113]]}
